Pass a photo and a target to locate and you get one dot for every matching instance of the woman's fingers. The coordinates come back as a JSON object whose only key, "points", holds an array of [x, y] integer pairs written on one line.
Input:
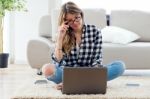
{"points": [[62, 30], [65, 26]]}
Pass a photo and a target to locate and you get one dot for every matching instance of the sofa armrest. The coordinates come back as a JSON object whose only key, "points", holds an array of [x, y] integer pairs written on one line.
{"points": [[39, 51]]}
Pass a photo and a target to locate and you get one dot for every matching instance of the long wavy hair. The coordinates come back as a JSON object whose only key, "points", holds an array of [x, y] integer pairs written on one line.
{"points": [[69, 39]]}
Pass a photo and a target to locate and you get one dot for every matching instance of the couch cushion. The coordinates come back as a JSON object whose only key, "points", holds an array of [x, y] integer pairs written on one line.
{"points": [[135, 55], [96, 17], [54, 18], [135, 21], [45, 26], [92, 16]]}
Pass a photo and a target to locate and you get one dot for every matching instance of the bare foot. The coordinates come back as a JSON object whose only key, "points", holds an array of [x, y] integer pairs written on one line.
{"points": [[59, 86]]}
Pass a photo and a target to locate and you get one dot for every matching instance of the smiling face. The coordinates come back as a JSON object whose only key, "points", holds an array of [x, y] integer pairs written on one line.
{"points": [[75, 21]]}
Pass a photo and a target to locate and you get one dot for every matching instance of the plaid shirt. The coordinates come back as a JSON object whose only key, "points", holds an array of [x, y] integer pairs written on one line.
{"points": [[90, 51]]}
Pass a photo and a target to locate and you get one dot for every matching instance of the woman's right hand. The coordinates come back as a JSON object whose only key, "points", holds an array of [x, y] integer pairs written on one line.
{"points": [[62, 31]]}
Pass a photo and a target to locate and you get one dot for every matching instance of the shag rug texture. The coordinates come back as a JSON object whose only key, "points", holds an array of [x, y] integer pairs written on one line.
{"points": [[124, 87]]}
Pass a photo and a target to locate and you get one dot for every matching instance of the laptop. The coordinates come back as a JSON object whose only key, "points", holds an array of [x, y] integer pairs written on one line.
{"points": [[84, 80]]}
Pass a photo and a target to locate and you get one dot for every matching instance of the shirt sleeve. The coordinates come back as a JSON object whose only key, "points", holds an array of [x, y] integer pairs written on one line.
{"points": [[55, 61], [97, 53]]}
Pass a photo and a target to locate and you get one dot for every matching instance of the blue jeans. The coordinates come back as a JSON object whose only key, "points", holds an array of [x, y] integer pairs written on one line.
{"points": [[114, 70]]}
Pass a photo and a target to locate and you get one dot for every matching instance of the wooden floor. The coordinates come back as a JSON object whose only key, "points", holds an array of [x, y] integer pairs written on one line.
{"points": [[12, 77]]}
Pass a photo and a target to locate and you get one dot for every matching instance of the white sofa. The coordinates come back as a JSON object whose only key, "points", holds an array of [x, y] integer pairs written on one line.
{"points": [[135, 54]]}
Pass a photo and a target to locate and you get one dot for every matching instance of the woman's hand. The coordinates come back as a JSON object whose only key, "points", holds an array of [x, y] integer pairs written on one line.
{"points": [[62, 31], [59, 86]]}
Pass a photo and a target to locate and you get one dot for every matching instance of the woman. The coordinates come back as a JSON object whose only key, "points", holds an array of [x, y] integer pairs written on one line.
{"points": [[77, 44]]}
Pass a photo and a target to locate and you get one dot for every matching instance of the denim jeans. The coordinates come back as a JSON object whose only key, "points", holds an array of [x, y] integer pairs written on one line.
{"points": [[114, 70]]}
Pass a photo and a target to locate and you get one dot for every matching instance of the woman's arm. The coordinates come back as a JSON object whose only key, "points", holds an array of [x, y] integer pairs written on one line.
{"points": [[58, 53]]}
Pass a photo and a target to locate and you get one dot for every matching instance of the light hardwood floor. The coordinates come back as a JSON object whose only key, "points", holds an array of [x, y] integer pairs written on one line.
{"points": [[12, 77]]}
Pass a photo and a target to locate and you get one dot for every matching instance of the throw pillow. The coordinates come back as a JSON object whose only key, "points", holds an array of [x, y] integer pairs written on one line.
{"points": [[114, 34], [54, 19]]}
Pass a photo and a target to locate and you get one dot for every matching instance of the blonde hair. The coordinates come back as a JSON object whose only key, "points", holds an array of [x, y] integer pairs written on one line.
{"points": [[69, 39]]}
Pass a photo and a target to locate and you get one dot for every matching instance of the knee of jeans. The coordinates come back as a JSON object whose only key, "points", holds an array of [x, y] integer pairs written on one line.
{"points": [[44, 68], [48, 69], [57, 77]]}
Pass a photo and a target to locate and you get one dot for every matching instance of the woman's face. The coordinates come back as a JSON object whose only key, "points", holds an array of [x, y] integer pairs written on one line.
{"points": [[74, 21]]}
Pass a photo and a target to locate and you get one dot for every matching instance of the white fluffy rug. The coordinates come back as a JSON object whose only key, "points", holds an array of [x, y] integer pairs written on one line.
{"points": [[124, 87]]}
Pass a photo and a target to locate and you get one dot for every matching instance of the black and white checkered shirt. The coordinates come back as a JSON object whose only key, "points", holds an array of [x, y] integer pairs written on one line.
{"points": [[90, 51]]}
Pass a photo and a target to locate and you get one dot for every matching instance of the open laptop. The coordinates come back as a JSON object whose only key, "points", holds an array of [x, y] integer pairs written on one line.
{"points": [[84, 80]]}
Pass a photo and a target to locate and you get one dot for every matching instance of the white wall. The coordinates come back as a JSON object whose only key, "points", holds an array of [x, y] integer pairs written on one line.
{"points": [[109, 5], [25, 27], [53, 4]]}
